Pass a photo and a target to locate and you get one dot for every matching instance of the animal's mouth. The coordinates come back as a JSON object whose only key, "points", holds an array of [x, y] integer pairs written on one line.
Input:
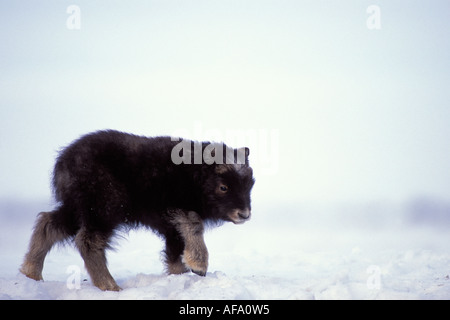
{"points": [[238, 216]]}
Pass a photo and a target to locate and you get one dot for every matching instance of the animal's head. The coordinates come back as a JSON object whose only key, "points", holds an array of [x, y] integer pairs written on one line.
{"points": [[228, 186]]}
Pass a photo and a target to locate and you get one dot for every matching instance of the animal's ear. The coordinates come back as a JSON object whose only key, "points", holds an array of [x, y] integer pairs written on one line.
{"points": [[247, 153], [242, 155]]}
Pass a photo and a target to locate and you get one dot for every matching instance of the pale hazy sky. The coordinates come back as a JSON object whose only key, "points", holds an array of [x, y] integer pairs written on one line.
{"points": [[342, 112]]}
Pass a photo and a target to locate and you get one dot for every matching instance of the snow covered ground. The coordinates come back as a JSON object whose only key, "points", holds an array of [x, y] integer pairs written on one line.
{"points": [[357, 251]]}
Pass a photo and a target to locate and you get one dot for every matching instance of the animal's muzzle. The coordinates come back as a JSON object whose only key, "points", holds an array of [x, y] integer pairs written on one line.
{"points": [[244, 215], [239, 216]]}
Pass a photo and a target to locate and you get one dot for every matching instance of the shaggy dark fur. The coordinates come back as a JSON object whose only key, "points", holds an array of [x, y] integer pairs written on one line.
{"points": [[110, 179]]}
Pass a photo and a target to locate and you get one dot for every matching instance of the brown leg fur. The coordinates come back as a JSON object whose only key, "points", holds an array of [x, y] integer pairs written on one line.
{"points": [[190, 226], [44, 236], [176, 267], [92, 249]]}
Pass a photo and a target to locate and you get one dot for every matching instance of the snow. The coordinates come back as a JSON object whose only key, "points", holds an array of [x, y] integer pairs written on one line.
{"points": [[353, 251]]}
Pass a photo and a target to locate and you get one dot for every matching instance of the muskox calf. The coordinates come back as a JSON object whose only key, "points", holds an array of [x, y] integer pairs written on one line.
{"points": [[109, 179]]}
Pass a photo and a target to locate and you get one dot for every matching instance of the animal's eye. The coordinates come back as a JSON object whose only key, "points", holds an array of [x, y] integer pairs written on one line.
{"points": [[223, 188]]}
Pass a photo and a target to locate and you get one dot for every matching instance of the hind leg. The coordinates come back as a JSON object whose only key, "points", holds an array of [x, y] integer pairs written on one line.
{"points": [[46, 233], [92, 246]]}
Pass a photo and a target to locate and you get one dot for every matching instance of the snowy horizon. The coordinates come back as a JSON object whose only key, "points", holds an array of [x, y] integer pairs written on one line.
{"points": [[302, 252]]}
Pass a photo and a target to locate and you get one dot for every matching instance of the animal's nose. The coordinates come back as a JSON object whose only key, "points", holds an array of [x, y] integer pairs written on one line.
{"points": [[244, 214]]}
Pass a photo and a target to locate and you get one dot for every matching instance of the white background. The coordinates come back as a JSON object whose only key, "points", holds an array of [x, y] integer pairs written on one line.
{"points": [[348, 127]]}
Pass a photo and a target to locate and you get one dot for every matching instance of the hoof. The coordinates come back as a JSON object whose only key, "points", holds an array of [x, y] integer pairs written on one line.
{"points": [[176, 267], [107, 284], [31, 271], [199, 272], [197, 263], [110, 288]]}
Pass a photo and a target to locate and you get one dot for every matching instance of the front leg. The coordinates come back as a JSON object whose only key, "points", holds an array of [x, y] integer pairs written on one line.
{"points": [[190, 226]]}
